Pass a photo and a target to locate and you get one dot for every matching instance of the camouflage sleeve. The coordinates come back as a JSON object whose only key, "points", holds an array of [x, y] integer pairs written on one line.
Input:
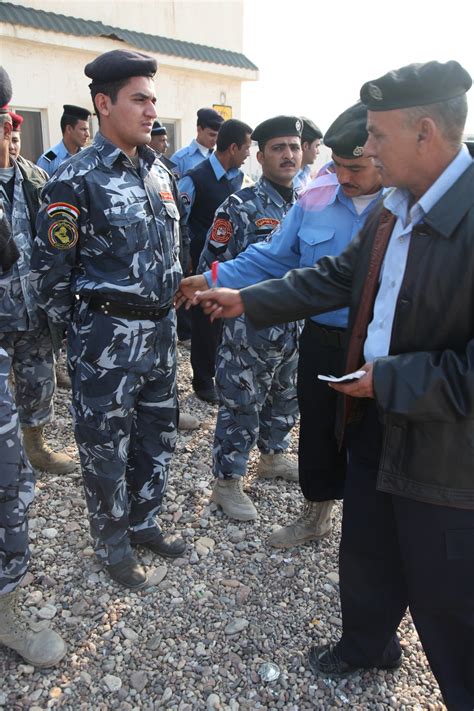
{"points": [[225, 238], [55, 250]]}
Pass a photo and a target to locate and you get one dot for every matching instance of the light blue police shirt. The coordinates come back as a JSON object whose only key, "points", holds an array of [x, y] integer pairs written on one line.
{"points": [[306, 234]]}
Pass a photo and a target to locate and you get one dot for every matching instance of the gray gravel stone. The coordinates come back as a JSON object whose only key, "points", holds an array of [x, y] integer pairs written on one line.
{"points": [[199, 632]]}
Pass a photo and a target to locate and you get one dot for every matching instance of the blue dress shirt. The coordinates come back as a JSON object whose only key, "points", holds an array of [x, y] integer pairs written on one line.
{"points": [[313, 228], [302, 178], [379, 333], [189, 157], [49, 163]]}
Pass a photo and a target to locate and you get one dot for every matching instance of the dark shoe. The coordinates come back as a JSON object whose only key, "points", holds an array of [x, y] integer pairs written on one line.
{"points": [[208, 394], [128, 573], [326, 661], [171, 546]]}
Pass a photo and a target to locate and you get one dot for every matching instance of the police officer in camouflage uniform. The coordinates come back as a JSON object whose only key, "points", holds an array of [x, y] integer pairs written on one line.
{"points": [[255, 370], [107, 263], [24, 332], [44, 648]]}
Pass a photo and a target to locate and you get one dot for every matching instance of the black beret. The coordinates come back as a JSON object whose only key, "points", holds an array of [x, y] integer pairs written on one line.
{"points": [[158, 129], [275, 127], [310, 131], [208, 118], [120, 64], [76, 112], [347, 135], [416, 85], [5, 89]]}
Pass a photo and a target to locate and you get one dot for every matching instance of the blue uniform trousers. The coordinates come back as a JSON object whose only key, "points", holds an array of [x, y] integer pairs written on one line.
{"points": [[258, 405], [123, 375], [397, 553], [31, 358], [321, 465], [17, 485]]}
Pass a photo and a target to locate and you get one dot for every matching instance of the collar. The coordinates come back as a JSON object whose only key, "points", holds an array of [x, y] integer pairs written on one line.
{"points": [[196, 147], [110, 153], [219, 170], [265, 186], [398, 200]]}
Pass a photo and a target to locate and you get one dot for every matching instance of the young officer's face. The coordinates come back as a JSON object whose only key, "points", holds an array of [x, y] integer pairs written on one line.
{"points": [[128, 122], [15, 144]]}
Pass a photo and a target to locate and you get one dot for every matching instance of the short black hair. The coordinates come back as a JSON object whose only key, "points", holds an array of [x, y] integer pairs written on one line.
{"points": [[232, 131], [67, 120], [109, 88]]}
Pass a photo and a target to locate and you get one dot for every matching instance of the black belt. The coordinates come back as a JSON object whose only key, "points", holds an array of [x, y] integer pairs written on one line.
{"points": [[103, 305], [326, 335]]}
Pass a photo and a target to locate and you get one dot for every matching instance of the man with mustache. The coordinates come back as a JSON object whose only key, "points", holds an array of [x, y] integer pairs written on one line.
{"points": [[331, 212], [255, 370]]}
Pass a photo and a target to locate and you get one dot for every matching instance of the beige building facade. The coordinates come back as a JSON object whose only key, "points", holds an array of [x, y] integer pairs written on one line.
{"points": [[45, 44]]}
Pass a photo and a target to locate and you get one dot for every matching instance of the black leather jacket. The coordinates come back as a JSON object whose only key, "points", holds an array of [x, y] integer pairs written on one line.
{"points": [[424, 388]]}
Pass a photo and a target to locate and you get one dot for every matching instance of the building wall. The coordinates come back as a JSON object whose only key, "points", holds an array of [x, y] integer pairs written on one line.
{"points": [[217, 23], [47, 71]]}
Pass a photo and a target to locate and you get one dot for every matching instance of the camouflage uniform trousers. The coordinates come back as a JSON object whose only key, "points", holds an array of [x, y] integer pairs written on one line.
{"points": [[124, 405], [31, 359], [258, 404], [17, 485]]}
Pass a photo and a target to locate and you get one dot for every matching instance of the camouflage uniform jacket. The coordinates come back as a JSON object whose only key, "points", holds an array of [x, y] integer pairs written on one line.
{"points": [[249, 215], [108, 228], [18, 306]]}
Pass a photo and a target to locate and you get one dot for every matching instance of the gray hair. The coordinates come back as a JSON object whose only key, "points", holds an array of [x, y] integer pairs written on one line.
{"points": [[449, 116]]}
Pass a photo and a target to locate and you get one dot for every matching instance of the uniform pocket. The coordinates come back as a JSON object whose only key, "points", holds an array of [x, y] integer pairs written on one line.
{"points": [[127, 226], [312, 243]]}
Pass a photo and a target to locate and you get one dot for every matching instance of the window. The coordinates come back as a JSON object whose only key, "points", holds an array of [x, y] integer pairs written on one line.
{"points": [[170, 126]]}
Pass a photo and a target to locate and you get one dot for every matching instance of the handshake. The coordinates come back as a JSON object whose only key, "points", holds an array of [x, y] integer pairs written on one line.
{"points": [[217, 303]]}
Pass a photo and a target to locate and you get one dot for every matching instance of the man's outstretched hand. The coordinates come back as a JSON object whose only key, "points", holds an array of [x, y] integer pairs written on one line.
{"points": [[188, 288], [220, 303]]}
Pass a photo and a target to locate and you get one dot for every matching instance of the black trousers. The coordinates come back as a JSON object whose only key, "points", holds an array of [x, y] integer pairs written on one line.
{"points": [[322, 466], [397, 553], [205, 337], [183, 324]]}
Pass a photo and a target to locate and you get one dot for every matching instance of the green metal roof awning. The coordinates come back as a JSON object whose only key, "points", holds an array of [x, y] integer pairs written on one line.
{"points": [[53, 22]]}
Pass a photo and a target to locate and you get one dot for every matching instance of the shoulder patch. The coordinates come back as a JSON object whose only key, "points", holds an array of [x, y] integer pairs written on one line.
{"points": [[57, 208], [245, 194], [63, 234], [49, 156], [185, 198], [267, 222], [222, 230]]}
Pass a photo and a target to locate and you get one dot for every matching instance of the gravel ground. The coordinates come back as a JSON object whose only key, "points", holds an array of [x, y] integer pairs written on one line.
{"points": [[197, 637]]}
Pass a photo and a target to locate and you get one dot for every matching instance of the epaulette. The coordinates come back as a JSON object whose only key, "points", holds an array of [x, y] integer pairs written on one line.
{"points": [[244, 194], [50, 156]]}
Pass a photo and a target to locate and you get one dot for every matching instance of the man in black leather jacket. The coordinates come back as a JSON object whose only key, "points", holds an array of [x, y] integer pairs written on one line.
{"points": [[408, 521]]}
